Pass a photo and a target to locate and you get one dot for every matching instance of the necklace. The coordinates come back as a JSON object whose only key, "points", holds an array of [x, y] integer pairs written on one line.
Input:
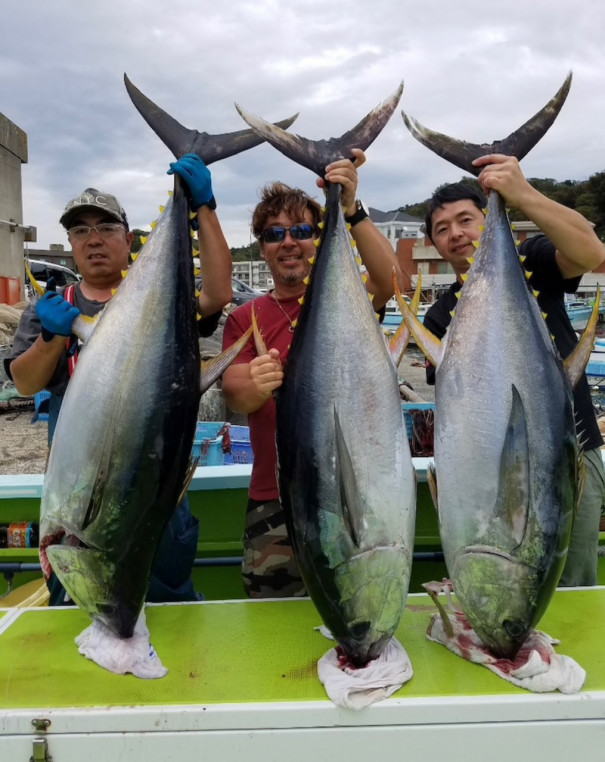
{"points": [[291, 328]]}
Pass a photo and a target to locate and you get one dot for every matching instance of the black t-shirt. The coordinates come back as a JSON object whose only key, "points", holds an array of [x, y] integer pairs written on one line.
{"points": [[546, 278]]}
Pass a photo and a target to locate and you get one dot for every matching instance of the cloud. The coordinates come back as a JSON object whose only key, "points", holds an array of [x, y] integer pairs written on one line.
{"points": [[474, 70]]}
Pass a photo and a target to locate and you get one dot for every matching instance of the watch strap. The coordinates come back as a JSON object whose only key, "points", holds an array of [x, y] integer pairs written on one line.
{"points": [[359, 215]]}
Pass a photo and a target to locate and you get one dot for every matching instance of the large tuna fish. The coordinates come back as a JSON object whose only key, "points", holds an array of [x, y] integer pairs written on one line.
{"points": [[506, 451], [122, 446], [345, 472]]}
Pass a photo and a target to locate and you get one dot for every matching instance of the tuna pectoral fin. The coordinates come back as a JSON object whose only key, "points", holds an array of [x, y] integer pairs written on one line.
{"points": [[212, 369], [518, 143], [513, 504], [575, 363], [399, 341], [349, 492]]}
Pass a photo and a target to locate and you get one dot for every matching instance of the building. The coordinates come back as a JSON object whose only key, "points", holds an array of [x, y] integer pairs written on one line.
{"points": [[255, 273], [55, 254], [13, 233]]}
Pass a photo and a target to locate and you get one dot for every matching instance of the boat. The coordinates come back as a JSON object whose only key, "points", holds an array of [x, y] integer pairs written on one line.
{"points": [[579, 312]]}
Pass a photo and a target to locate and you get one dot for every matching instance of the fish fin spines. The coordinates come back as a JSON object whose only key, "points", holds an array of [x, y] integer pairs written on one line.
{"points": [[536, 293], [306, 280], [452, 313], [144, 239], [528, 274], [154, 224], [522, 258], [464, 277], [134, 256], [317, 243], [312, 260], [124, 273], [458, 294], [470, 260], [162, 208], [301, 301]]}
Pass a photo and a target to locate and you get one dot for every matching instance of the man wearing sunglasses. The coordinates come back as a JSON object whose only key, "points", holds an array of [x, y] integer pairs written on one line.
{"points": [[44, 352], [286, 224]]}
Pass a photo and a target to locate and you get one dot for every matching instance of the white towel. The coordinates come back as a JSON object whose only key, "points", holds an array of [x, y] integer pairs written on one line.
{"points": [[536, 667], [357, 688], [121, 655]]}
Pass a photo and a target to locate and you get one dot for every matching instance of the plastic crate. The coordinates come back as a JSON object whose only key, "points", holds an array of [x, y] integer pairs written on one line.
{"points": [[208, 444], [419, 423], [241, 449]]}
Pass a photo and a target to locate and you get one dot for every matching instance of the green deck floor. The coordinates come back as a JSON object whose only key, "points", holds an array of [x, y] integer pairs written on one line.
{"points": [[257, 651]]}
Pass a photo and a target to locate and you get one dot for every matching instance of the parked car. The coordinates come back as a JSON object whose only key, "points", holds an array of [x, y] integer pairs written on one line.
{"points": [[242, 292], [42, 271]]}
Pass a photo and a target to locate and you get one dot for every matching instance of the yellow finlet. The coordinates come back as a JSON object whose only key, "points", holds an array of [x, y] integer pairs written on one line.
{"points": [[482, 228], [458, 294], [545, 315], [124, 273], [154, 224], [192, 215], [513, 226], [317, 242], [301, 301], [536, 293], [522, 258], [134, 256], [162, 208], [198, 316], [452, 313], [364, 277], [528, 274], [197, 293], [470, 260], [321, 225], [306, 280], [294, 323], [358, 261], [476, 244], [517, 242], [312, 260], [144, 239], [170, 194], [114, 291], [463, 277]]}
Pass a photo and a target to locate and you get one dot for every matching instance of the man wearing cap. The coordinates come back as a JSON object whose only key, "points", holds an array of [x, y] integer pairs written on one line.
{"points": [[44, 350]]}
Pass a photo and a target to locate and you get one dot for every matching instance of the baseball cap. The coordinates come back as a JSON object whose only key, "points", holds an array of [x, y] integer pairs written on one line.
{"points": [[95, 200]]}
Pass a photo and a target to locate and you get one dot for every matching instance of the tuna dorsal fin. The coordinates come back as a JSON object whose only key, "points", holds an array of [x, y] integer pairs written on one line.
{"points": [[212, 369], [513, 495], [181, 140], [575, 363], [401, 338], [349, 493], [518, 143], [428, 343], [316, 154]]}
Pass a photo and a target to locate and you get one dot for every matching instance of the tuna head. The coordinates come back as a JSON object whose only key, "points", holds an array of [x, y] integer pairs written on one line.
{"points": [[497, 593], [372, 598]]}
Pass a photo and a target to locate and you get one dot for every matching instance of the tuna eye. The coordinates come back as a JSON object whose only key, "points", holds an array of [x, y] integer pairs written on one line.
{"points": [[359, 630], [514, 629]]}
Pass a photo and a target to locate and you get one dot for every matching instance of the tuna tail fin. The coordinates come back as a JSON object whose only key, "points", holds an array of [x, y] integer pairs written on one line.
{"points": [[316, 154], [181, 140], [212, 369], [575, 363], [518, 143], [513, 502]]}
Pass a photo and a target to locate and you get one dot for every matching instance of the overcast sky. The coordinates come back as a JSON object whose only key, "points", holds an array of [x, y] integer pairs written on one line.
{"points": [[472, 69]]}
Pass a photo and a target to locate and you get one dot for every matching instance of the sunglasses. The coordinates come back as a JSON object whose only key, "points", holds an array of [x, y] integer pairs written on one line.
{"points": [[277, 234]]}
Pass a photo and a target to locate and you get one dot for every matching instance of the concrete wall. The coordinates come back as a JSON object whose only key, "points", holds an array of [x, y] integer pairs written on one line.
{"points": [[13, 153]]}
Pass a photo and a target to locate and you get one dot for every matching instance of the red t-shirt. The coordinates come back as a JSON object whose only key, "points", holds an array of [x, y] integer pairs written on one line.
{"points": [[275, 329]]}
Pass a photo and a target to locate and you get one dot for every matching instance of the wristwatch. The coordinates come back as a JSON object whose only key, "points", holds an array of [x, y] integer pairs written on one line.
{"points": [[360, 213]]}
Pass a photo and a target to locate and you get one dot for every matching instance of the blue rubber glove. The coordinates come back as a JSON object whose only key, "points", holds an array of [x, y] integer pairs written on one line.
{"points": [[198, 179], [56, 315]]}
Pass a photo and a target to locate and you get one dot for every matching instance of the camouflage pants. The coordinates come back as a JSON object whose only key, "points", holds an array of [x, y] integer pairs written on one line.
{"points": [[268, 566]]}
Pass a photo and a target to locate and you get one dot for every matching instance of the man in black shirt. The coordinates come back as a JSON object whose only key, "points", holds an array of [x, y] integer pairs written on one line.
{"points": [[556, 260]]}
